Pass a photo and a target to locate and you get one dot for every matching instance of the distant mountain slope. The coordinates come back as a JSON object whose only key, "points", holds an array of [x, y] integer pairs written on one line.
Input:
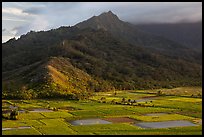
{"points": [[73, 62], [188, 34], [136, 36]]}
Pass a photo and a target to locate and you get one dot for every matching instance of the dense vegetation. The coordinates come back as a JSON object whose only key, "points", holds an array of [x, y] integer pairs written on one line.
{"points": [[73, 62]]}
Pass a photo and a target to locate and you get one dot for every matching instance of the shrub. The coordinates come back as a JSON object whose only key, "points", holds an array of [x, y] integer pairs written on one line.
{"points": [[14, 114], [159, 93], [113, 101], [55, 109], [199, 95], [26, 111], [123, 100]]}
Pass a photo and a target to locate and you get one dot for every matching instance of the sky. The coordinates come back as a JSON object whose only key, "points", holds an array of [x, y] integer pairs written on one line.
{"points": [[18, 18]]}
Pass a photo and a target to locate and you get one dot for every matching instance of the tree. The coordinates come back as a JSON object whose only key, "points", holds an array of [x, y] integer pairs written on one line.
{"points": [[103, 99], [123, 100], [14, 114], [113, 101], [114, 91], [199, 95], [159, 93]]}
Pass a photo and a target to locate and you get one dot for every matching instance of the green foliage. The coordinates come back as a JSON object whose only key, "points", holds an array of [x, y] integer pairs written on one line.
{"points": [[72, 63], [14, 115], [159, 93], [123, 100]]}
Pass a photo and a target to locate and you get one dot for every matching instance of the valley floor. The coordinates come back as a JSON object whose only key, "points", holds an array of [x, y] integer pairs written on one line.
{"points": [[119, 112]]}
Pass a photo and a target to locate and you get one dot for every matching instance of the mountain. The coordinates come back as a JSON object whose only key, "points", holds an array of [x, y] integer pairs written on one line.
{"points": [[73, 62], [137, 37], [187, 34], [51, 77]]}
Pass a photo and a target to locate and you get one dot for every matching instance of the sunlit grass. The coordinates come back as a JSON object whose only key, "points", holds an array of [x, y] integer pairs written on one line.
{"points": [[165, 117], [57, 122]]}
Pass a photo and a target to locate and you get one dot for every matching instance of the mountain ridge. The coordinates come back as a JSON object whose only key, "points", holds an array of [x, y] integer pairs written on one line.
{"points": [[187, 34], [96, 60], [133, 35]]}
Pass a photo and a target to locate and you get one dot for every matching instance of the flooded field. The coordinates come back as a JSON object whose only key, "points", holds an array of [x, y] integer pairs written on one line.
{"points": [[15, 128], [155, 114], [89, 122], [165, 124], [41, 110]]}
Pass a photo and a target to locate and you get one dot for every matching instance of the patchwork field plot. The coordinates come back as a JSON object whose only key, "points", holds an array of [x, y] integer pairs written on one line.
{"points": [[165, 124], [89, 122], [123, 117]]}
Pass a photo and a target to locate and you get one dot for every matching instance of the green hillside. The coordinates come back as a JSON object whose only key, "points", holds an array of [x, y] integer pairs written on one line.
{"points": [[73, 62]]}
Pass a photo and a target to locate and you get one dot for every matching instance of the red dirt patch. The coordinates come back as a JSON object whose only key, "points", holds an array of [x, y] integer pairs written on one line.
{"points": [[120, 120]]}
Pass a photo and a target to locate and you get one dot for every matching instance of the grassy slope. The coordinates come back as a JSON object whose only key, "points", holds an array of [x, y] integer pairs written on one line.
{"points": [[110, 61], [55, 75]]}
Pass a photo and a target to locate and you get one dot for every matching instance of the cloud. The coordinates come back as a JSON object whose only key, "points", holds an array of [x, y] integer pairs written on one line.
{"points": [[14, 19], [14, 11], [40, 23], [25, 16], [169, 12], [21, 30], [7, 34]]}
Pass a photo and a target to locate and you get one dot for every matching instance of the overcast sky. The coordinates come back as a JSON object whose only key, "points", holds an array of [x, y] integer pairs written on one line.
{"points": [[20, 17]]}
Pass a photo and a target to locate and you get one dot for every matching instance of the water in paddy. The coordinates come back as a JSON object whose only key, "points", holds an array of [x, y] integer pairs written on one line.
{"points": [[41, 110], [165, 124], [13, 107], [15, 128], [155, 114], [89, 122]]}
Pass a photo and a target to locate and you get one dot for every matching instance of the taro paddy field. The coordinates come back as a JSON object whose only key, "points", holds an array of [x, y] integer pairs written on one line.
{"points": [[142, 112]]}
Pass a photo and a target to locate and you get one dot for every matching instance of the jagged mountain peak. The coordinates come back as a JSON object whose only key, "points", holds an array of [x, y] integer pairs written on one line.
{"points": [[106, 21], [106, 15], [109, 15]]}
